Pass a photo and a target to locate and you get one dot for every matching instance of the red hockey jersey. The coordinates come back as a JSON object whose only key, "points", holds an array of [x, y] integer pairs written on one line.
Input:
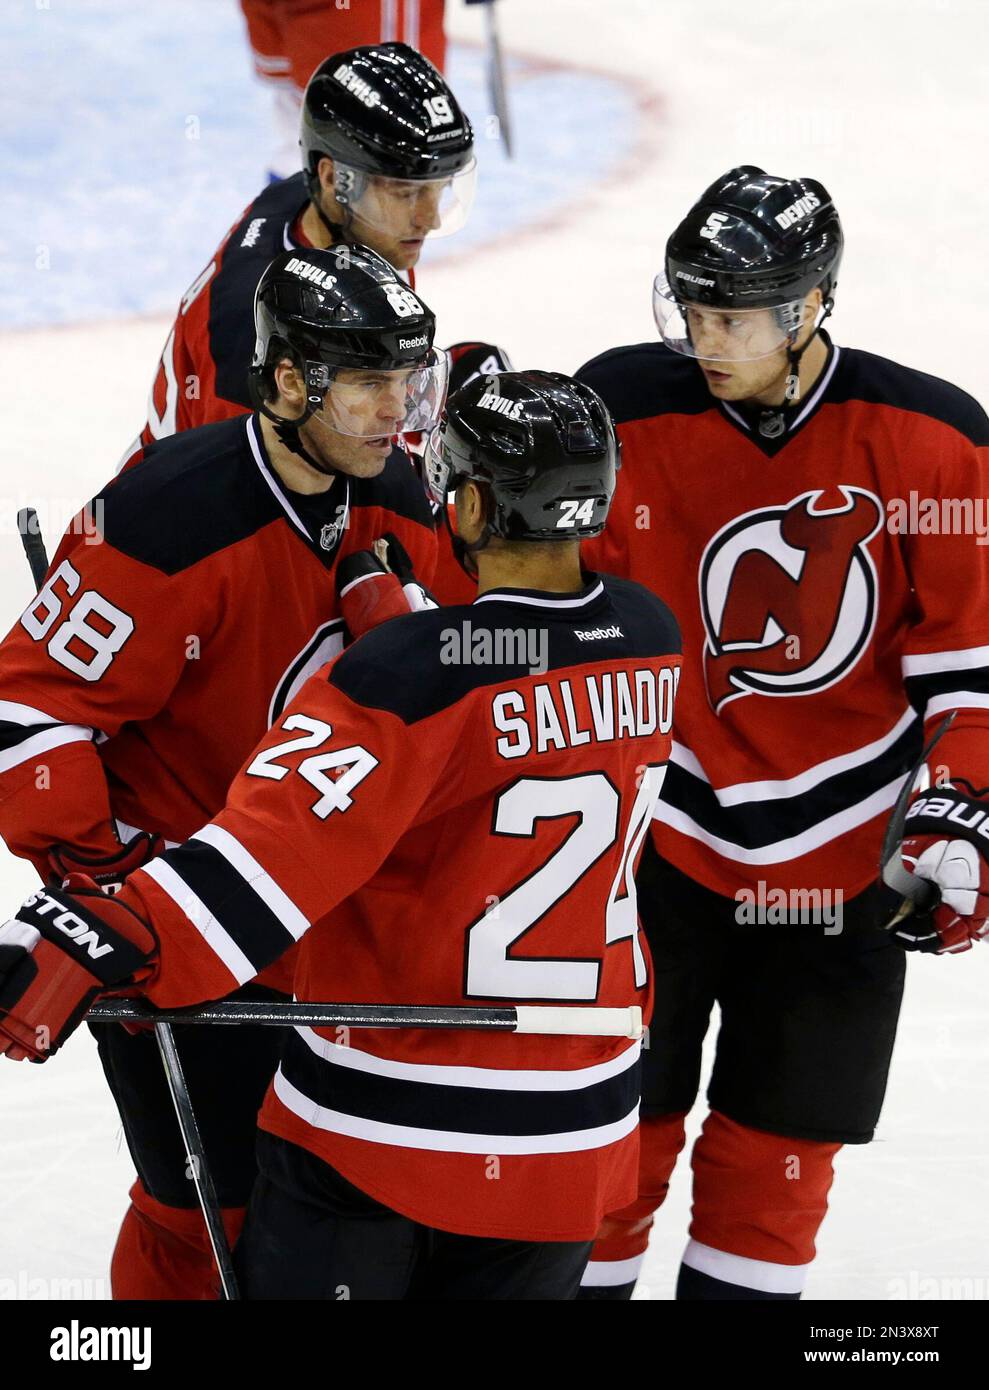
{"points": [[154, 659], [451, 813], [202, 374], [832, 585]]}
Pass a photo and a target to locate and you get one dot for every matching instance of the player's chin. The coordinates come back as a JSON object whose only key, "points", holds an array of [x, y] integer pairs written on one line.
{"points": [[372, 455], [407, 253]]}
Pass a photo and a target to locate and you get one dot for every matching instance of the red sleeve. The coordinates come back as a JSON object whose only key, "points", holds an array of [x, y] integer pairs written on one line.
{"points": [[309, 819], [103, 644], [946, 652], [183, 393]]}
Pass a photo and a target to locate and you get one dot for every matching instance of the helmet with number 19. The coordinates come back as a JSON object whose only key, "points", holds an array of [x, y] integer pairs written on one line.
{"points": [[387, 152]]}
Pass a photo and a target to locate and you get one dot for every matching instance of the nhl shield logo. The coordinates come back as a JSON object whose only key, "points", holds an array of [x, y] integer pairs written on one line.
{"points": [[330, 534], [788, 596]]}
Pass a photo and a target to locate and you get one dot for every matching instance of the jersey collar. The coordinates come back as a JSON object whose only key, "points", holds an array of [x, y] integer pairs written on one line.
{"points": [[789, 422], [324, 545], [539, 598]]}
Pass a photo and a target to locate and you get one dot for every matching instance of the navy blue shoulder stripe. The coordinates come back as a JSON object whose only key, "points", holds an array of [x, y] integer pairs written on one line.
{"points": [[417, 666], [862, 376], [256, 240], [645, 380], [193, 494]]}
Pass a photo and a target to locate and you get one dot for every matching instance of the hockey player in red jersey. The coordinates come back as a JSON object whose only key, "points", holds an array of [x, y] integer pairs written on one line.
{"points": [[493, 864], [289, 38], [227, 567], [388, 159], [766, 495]]}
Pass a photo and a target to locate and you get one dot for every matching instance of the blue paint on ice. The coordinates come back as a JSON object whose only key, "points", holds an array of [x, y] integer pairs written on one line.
{"points": [[134, 133]]}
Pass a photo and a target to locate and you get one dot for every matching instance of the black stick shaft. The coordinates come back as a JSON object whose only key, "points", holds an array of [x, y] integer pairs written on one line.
{"points": [[196, 1155], [316, 1015], [34, 544]]}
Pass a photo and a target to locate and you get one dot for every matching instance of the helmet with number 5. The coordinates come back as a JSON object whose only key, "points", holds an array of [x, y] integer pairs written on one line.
{"points": [[351, 327]]}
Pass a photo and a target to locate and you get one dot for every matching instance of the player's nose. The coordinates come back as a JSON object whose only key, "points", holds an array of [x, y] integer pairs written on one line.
{"points": [[427, 210]]}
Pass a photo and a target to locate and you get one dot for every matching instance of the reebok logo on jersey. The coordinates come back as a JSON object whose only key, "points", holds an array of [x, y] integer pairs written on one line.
{"points": [[421, 341], [305, 271], [81, 932], [362, 90], [596, 634], [797, 211], [253, 231], [693, 279], [512, 410]]}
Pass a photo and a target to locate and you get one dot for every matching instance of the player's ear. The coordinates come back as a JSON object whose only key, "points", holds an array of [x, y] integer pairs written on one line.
{"points": [[470, 511], [326, 172], [812, 304], [289, 385]]}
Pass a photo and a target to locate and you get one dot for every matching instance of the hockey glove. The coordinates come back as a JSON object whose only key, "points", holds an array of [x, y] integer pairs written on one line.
{"points": [[947, 842], [108, 873], [375, 585], [56, 955]]}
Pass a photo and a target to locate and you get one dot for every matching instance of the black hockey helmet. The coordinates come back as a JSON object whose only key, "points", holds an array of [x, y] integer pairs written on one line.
{"points": [[344, 308], [755, 240], [544, 447], [752, 241], [384, 110]]}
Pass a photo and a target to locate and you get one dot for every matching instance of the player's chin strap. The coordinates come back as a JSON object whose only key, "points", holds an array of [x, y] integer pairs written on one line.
{"points": [[775, 420], [791, 395], [286, 430], [339, 231]]}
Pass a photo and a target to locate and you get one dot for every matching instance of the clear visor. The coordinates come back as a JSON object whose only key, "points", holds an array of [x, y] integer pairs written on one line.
{"points": [[368, 404], [723, 335], [408, 209], [436, 469]]}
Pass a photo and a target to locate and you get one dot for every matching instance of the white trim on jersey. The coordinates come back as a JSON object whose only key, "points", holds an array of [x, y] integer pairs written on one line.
{"points": [[285, 504], [795, 846], [210, 928], [818, 390], [163, 425], [13, 712], [932, 663], [447, 1141], [956, 699], [482, 1078], [810, 404], [255, 876], [739, 1269], [742, 793], [608, 1274], [508, 596], [43, 742]]}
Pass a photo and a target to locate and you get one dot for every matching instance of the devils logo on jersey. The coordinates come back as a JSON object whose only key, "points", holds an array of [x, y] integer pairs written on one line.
{"points": [[788, 596]]}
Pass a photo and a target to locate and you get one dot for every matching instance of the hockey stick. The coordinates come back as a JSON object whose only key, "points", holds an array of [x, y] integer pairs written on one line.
{"points": [[497, 86], [534, 1019], [37, 558], [205, 1191], [34, 544], [917, 894]]}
